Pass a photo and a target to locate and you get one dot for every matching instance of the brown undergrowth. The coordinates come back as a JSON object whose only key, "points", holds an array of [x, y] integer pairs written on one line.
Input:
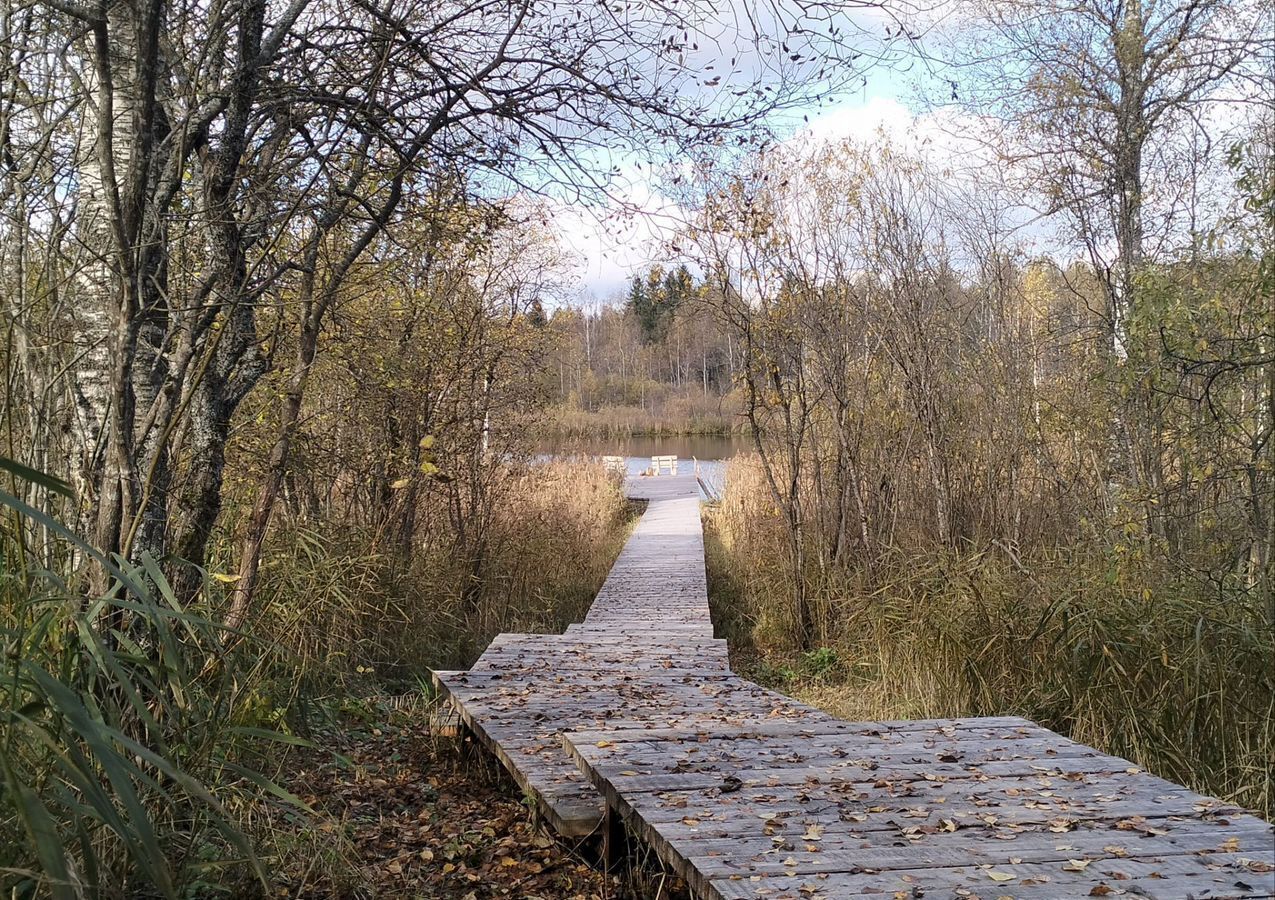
{"points": [[403, 808], [402, 812], [1115, 651]]}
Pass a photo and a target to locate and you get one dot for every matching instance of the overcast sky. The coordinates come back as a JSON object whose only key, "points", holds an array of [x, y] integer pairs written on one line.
{"points": [[610, 247]]}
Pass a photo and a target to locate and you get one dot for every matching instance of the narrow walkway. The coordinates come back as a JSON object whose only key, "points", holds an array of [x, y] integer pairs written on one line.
{"points": [[746, 793]]}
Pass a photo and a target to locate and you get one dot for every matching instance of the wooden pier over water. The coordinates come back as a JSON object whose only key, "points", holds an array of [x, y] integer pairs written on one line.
{"points": [[634, 718]]}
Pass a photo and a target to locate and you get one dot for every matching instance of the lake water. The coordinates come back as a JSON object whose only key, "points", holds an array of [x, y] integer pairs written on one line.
{"points": [[710, 451]]}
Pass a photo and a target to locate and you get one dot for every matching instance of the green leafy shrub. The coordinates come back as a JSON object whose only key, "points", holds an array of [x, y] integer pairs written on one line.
{"points": [[124, 766]]}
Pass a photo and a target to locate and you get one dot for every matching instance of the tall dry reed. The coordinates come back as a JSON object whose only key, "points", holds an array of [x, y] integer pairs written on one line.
{"points": [[1117, 651], [339, 603]]}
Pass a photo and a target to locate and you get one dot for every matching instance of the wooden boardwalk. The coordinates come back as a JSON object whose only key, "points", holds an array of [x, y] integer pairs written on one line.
{"points": [[635, 715]]}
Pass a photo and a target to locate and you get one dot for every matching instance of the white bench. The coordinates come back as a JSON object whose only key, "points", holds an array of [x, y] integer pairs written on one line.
{"points": [[660, 463], [615, 465]]}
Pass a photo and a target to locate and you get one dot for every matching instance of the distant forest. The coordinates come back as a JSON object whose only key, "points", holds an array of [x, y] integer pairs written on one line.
{"points": [[659, 361]]}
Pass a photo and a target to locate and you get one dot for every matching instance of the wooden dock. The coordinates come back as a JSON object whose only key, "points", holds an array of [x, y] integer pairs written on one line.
{"points": [[634, 716]]}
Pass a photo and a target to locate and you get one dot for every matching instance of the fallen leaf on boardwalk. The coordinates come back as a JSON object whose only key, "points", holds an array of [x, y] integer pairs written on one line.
{"points": [[1000, 876], [605, 744], [814, 832], [1076, 865]]}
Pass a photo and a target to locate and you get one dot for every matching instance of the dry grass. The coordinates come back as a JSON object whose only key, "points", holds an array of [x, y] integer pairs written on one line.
{"points": [[668, 413], [1116, 652], [335, 609]]}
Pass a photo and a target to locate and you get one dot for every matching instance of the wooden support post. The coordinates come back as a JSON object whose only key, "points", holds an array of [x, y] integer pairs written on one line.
{"points": [[615, 840]]}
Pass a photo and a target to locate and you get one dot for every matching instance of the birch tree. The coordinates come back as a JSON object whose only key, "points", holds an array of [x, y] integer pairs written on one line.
{"points": [[226, 159], [1096, 102]]}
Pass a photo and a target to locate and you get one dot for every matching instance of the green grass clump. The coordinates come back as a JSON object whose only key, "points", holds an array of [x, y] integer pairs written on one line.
{"points": [[124, 753]]}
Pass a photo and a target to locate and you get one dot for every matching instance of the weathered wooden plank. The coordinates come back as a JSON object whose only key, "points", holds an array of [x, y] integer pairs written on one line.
{"points": [[620, 656], [572, 813], [972, 849], [633, 779], [952, 804], [941, 727], [1177, 877], [860, 749], [662, 487], [747, 793]]}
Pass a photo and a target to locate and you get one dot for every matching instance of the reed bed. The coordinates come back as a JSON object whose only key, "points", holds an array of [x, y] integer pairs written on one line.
{"points": [[1121, 653], [144, 745], [668, 413], [340, 604]]}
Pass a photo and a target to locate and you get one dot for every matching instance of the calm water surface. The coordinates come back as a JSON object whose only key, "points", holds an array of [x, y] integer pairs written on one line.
{"points": [[711, 451]]}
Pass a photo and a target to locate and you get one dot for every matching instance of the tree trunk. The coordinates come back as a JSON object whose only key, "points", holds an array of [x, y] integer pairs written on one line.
{"points": [[276, 468]]}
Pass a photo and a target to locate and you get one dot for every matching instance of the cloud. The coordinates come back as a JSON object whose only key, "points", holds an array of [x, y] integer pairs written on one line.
{"points": [[612, 243], [861, 121]]}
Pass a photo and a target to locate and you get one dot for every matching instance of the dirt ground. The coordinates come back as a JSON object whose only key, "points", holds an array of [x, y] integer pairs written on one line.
{"points": [[406, 813]]}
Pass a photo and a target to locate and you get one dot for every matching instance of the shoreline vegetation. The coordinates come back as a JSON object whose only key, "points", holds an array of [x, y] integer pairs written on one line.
{"points": [[1114, 652], [685, 413], [630, 423]]}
